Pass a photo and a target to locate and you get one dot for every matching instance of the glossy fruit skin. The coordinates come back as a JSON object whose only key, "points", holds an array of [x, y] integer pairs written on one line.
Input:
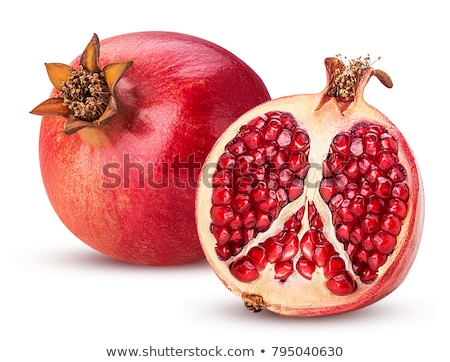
{"points": [[127, 189]]}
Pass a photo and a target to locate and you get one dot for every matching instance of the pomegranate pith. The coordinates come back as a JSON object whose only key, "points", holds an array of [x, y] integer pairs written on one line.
{"points": [[334, 192], [125, 133]]}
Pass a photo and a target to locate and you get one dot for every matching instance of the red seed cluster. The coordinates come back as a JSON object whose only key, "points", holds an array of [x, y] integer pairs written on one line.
{"points": [[365, 189], [261, 170]]}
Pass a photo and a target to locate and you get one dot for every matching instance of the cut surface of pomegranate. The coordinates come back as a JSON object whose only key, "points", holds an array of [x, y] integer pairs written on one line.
{"points": [[312, 204]]}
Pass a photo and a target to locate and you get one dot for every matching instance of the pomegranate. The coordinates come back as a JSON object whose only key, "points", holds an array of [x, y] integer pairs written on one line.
{"points": [[312, 204], [125, 133]]}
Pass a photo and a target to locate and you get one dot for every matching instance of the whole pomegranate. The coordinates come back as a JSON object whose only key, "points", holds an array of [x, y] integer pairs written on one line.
{"points": [[125, 133], [312, 204]]}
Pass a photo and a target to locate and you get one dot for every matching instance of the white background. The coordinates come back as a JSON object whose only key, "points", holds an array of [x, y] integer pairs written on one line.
{"points": [[62, 301]]}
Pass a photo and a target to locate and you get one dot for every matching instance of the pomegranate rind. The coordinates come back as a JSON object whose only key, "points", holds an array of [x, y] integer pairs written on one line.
{"points": [[298, 296]]}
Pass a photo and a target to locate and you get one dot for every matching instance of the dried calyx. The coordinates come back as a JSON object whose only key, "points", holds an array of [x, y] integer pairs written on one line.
{"points": [[344, 76], [86, 96]]}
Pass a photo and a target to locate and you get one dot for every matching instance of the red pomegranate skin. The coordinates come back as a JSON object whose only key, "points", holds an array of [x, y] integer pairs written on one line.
{"points": [[127, 189]]}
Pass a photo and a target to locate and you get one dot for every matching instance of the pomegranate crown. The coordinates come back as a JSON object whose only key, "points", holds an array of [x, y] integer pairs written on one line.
{"points": [[346, 76], [85, 97]]}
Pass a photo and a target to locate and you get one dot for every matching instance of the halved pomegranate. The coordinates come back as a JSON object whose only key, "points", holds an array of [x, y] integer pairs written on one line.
{"points": [[312, 204]]}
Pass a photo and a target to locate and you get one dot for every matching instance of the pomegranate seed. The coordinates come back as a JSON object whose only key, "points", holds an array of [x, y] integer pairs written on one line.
{"points": [[274, 249], [249, 234], [305, 267], [244, 270], [223, 251], [241, 203], [285, 138], [282, 197], [359, 129], [391, 224], [335, 265], [385, 160], [316, 222], [283, 270], [257, 255], [281, 160], [375, 205], [236, 146], [258, 122], [340, 182], [322, 254], [290, 246], [244, 184], [351, 249], [296, 161], [336, 163], [292, 224], [270, 151], [373, 174], [401, 191], [250, 219], [326, 172], [260, 193], [351, 190], [341, 144], [222, 178], [221, 234], [356, 147], [352, 169], [377, 129], [335, 202], [364, 163], [383, 187], [288, 121], [221, 215], [263, 222], [272, 130], [341, 284], [273, 181], [245, 165], [308, 244], [343, 233], [361, 256], [384, 242], [237, 236], [295, 189], [253, 139], [268, 205], [358, 267], [235, 248], [370, 223], [326, 189], [300, 213], [237, 222], [367, 275], [357, 206], [367, 243], [285, 177], [356, 235], [300, 141], [312, 211], [375, 260], [398, 208], [226, 161], [222, 196], [258, 157], [388, 143], [397, 173], [371, 144], [343, 214]]}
